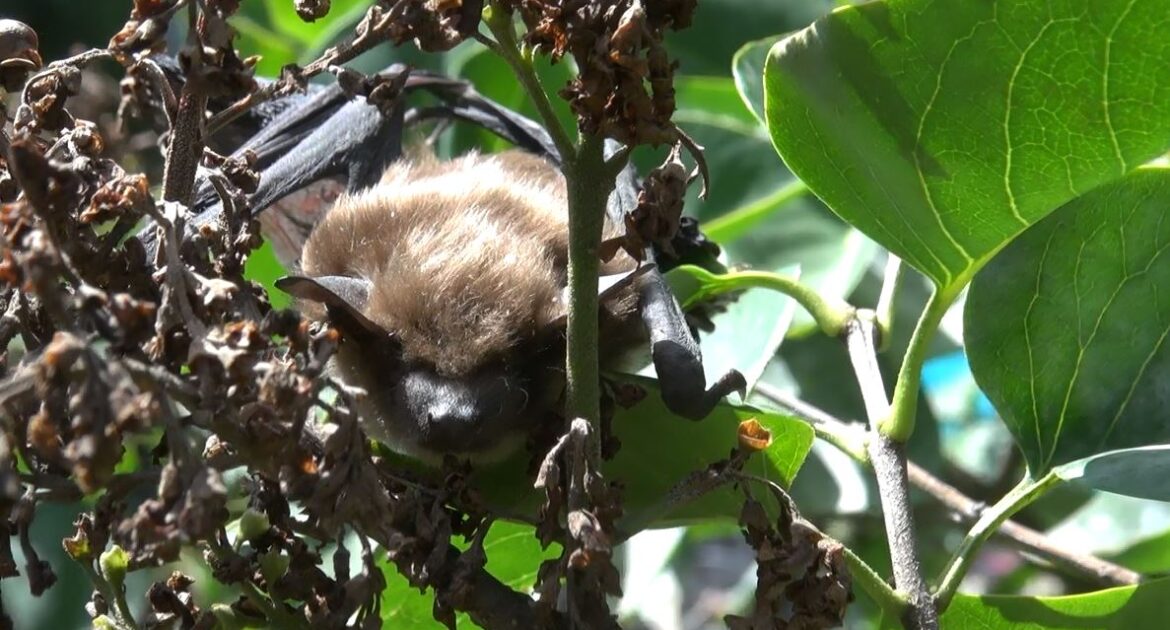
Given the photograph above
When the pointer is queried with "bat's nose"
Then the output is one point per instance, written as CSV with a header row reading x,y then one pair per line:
x,y
447,412
451,429
461,415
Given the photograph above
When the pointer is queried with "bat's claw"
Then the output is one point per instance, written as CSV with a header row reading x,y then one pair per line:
x,y
733,381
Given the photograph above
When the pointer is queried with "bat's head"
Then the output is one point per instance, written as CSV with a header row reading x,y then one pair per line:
x,y
414,406
447,281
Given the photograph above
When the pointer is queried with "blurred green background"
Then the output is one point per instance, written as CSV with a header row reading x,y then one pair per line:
x,y
688,578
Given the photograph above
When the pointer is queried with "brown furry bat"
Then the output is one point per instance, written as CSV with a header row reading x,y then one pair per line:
x,y
447,280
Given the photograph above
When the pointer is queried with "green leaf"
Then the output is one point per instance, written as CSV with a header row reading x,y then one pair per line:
x,y
1128,607
403,606
263,267
944,129
1149,556
747,66
274,31
1137,472
514,554
1065,329
679,447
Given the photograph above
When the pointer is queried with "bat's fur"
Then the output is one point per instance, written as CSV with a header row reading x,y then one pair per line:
x,y
467,265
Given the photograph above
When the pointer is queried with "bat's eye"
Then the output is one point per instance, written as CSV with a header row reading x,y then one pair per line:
x,y
460,415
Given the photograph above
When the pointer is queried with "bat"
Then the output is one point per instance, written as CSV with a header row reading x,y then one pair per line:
x,y
447,278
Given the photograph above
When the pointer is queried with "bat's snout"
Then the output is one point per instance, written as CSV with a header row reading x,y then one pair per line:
x,y
460,415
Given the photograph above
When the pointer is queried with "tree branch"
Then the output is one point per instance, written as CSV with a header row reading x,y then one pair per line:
x,y
889,464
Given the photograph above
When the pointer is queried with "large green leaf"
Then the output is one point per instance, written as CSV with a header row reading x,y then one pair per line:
x,y
1150,556
1065,329
756,211
1123,608
942,129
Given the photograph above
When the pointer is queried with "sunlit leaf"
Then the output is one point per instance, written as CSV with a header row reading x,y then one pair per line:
x,y
1066,328
944,129
513,556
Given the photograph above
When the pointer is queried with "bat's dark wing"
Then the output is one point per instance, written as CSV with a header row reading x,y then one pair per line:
x,y
326,135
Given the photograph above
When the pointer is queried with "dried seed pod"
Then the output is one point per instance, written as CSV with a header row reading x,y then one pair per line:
x,y
312,10
18,53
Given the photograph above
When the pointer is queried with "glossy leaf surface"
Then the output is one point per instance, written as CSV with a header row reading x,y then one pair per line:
x,y
1066,328
944,129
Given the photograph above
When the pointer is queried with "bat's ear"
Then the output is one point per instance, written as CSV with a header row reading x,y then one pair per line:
x,y
343,297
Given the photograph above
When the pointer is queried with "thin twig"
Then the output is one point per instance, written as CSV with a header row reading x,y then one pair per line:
x,y
849,437
186,145
889,465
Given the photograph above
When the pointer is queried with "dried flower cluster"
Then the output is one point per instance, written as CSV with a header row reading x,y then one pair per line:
x,y
625,84
803,581
124,335
157,334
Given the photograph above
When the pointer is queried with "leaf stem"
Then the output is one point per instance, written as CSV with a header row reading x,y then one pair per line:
x,y
1020,497
891,281
499,22
736,223
898,424
890,600
830,314
115,595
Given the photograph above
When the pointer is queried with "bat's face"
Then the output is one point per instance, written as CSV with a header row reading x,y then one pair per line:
x,y
446,281
420,412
